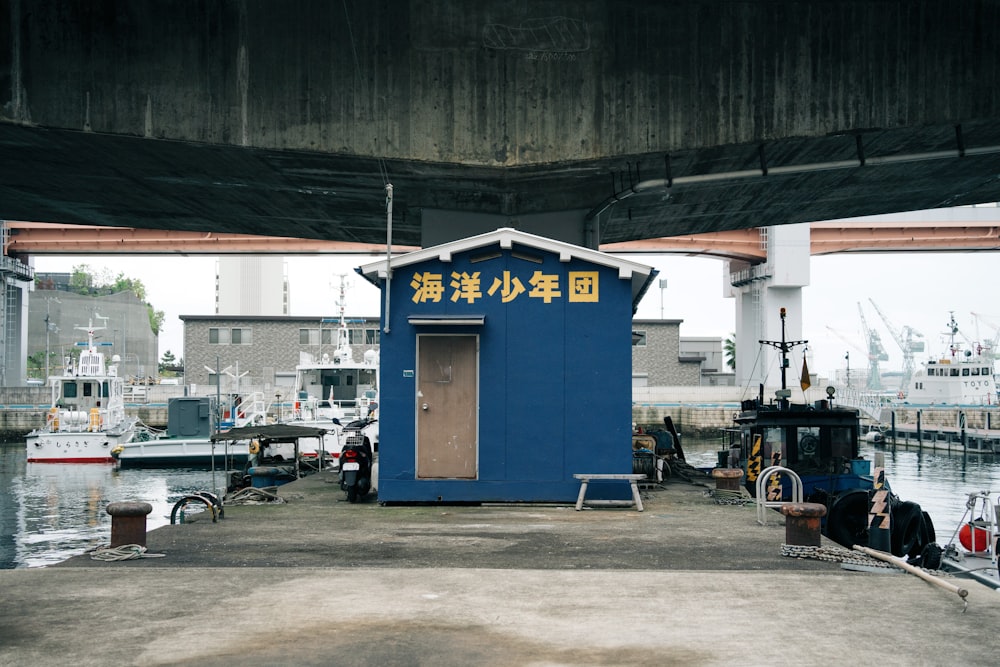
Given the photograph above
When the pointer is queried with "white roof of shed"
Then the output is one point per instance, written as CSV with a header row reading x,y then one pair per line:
x,y
506,237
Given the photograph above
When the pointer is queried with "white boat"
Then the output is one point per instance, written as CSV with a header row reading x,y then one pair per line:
x,y
965,376
334,392
87,419
192,421
875,433
972,550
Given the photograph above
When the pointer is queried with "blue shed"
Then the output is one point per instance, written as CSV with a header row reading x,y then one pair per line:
x,y
505,368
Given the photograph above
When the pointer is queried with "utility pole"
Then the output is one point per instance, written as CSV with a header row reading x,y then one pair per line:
x,y
48,329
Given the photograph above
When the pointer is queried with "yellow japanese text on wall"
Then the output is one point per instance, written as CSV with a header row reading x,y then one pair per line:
x,y
430,287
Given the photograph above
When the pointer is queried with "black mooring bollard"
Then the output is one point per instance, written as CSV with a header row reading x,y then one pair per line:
x,y
803,523
128,523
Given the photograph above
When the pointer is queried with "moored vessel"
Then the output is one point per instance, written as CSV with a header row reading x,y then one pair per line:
x,y
86,419
797,452
963,376
187,442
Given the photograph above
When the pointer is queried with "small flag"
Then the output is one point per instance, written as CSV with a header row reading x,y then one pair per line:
x,y
804,380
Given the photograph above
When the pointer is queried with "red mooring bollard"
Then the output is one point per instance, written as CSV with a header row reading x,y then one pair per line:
x,y
128,523
802,523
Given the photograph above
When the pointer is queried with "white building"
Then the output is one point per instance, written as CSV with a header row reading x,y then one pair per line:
x,y
251,285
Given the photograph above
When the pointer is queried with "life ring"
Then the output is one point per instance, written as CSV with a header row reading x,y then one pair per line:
x,y
254,447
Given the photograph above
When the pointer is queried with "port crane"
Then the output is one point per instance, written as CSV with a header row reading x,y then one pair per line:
x,y
905,340
876,352
868,356
990,346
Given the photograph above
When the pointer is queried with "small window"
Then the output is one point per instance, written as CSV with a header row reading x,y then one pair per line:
x,y
218,336
371,336
241,336
639,336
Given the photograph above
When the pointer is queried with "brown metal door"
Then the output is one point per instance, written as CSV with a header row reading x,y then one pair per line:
x,y
447,407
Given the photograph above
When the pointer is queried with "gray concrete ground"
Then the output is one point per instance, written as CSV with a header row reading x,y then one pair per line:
x,y
319,581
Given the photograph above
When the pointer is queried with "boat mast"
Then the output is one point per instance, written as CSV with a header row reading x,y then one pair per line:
x,y
784,347
343,352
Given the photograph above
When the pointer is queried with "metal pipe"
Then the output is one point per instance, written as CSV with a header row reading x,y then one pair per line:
x,y
767,171
388,252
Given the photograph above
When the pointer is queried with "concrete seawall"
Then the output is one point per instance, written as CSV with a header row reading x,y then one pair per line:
x,y
698,420
708,420
17,421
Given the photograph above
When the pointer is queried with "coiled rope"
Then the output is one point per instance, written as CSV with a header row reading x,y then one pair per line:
x,y
253,496
122,552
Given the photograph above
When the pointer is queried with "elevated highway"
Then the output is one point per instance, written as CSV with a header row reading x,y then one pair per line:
x,y
594,121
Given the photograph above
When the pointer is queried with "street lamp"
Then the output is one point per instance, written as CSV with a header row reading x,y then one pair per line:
x,y
663,288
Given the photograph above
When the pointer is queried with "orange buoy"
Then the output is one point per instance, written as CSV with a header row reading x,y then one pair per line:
x,y
967,535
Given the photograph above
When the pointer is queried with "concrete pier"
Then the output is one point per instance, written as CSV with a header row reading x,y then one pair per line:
x,y
319,581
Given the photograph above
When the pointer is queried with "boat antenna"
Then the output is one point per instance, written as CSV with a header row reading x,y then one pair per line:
x,y
783,346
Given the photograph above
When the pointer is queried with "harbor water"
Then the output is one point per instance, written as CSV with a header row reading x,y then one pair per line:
x,y
50,512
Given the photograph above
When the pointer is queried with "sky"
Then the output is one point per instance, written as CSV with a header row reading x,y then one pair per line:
x,y
919,290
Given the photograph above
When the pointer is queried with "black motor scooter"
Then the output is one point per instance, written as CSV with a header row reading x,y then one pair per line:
x,y
356,469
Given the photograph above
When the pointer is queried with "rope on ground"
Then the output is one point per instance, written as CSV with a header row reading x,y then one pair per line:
x,y
122,552
686,471
253,496
726,497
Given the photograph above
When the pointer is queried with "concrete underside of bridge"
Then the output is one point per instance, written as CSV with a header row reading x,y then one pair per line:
x,y
608,121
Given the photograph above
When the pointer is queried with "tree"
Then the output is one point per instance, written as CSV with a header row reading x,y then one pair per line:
x,y
84,281
123,284
36,364
729,347
155,318
170,366
81,280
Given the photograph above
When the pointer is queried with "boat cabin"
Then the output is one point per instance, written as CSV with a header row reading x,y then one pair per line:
x,y
818,442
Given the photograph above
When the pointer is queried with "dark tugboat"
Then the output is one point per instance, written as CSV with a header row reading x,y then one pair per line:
x,y
819,445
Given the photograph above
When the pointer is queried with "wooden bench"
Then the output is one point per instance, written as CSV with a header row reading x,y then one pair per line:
x,y
632,479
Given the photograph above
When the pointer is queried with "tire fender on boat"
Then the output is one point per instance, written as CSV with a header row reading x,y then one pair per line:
x,y
847,518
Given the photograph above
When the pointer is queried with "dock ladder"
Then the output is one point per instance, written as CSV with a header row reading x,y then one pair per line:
x,y
762,480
